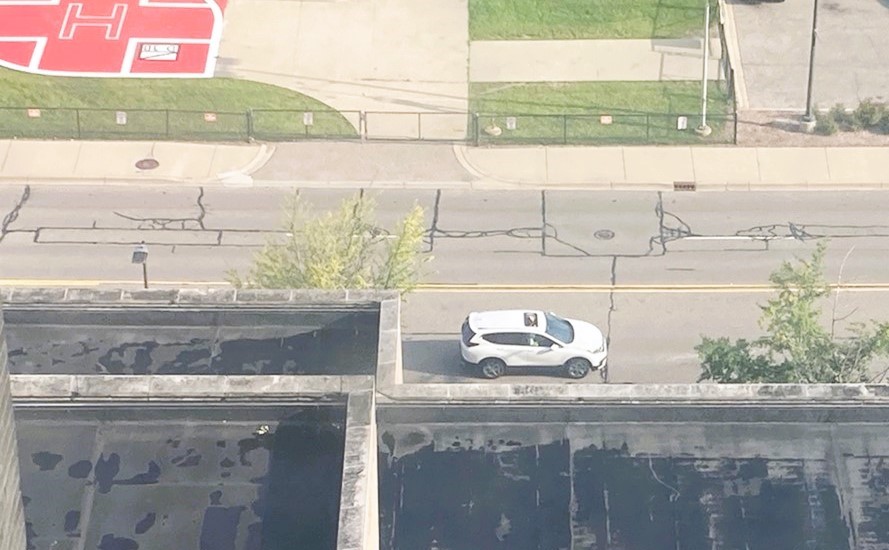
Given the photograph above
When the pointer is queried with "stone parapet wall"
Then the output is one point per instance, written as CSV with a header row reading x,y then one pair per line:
x,y
12,521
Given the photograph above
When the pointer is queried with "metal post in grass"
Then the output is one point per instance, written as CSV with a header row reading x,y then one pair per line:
x,y
703,129
565,129
77,121
809,117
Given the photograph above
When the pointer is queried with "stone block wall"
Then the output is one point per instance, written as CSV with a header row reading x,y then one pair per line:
x,y
12,521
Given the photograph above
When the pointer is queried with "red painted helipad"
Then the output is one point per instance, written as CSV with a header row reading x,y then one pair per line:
x,y
111,38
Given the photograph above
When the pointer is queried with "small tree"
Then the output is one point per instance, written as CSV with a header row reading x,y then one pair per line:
x,y
797,348
339,249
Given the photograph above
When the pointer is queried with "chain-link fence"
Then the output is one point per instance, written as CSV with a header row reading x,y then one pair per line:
x,y
169,124
602,129
293,125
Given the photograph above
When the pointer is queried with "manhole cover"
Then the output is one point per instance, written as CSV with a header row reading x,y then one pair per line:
x,y
604,234
147,164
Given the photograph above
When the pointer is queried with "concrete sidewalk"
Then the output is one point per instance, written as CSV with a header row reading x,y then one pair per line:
x,y
411,165
590,60
109,161
709,168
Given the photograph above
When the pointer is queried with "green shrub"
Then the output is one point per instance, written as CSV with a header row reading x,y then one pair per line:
x,y
870,113
825,123
844,119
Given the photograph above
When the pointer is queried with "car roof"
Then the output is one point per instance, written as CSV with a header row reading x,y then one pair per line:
x,y
508,319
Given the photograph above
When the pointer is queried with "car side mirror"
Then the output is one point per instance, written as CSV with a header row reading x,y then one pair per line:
x,y
555,346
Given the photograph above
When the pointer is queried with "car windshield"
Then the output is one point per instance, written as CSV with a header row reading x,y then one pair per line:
x,y
559,328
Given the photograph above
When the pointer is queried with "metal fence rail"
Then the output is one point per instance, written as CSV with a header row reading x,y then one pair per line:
x,y
294,125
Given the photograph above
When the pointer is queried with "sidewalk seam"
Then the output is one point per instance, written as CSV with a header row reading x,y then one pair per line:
x,y
6,156
77,157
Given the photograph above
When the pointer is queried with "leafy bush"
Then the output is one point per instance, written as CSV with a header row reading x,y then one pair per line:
x,y
870,113
825,124
844,119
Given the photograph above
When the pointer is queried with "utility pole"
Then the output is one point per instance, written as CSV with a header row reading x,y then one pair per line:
x,y
809,117
703,129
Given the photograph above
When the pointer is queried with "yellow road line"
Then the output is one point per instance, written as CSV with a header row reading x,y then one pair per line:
x,y
433,288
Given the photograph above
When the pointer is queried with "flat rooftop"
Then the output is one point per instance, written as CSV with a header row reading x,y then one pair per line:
x,y
234,341
127,462
128,477
634,486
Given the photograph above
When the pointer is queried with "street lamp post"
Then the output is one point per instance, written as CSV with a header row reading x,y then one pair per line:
x,y
809,117
140,256
703,129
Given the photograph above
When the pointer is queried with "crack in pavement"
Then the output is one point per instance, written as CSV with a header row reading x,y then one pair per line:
x,y
803,232
13,214
158,223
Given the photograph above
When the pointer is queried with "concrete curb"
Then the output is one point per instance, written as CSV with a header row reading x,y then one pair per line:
x,y
243,175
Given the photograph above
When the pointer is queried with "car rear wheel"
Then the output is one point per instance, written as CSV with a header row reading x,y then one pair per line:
x,y
577,367
492,368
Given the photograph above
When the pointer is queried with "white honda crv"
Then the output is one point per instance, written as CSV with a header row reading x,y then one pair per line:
x,y
495,340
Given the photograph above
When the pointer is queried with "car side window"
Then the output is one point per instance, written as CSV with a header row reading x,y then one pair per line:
x,y
507,338
537,340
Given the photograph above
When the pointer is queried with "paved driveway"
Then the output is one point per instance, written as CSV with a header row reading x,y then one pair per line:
x,y
851,61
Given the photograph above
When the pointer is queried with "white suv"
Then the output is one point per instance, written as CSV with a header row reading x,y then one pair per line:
x,y
494,340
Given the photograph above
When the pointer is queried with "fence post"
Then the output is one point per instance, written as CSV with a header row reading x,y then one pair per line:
x,y
648,128
475,129
167,123
77,118
735,137
362,125
249,119
565,129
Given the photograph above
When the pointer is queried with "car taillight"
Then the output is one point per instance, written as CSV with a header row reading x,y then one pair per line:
x,y
467,335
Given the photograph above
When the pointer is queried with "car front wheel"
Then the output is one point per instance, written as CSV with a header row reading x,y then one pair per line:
x,y
492,368
577,367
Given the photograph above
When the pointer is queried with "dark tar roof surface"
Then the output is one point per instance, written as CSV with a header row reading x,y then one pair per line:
x,y
124,341
634,486
129,478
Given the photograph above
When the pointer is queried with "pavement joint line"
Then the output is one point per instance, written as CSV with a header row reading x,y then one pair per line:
x,y
432,288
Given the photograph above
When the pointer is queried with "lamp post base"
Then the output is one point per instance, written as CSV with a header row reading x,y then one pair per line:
x,y
807,123
703,130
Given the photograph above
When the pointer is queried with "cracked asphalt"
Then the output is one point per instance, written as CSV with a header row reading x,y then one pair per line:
x,y
651,251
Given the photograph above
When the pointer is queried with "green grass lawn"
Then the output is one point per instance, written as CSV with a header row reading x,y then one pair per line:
x,y
590,19
278,112
642,112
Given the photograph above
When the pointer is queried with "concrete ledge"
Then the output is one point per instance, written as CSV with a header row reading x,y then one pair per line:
x,y
810,394
16,296
359,516
389,365
195,387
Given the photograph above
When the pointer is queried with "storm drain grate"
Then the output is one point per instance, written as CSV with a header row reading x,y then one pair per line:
x,y
684,186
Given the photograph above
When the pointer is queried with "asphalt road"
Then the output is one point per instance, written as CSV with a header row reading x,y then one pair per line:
x,y
654,270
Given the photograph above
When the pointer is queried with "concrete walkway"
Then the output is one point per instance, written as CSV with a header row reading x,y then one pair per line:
x,y
115,161
589,60
385,165
354,55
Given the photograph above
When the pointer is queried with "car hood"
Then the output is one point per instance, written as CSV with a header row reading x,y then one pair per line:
x,y
586,335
